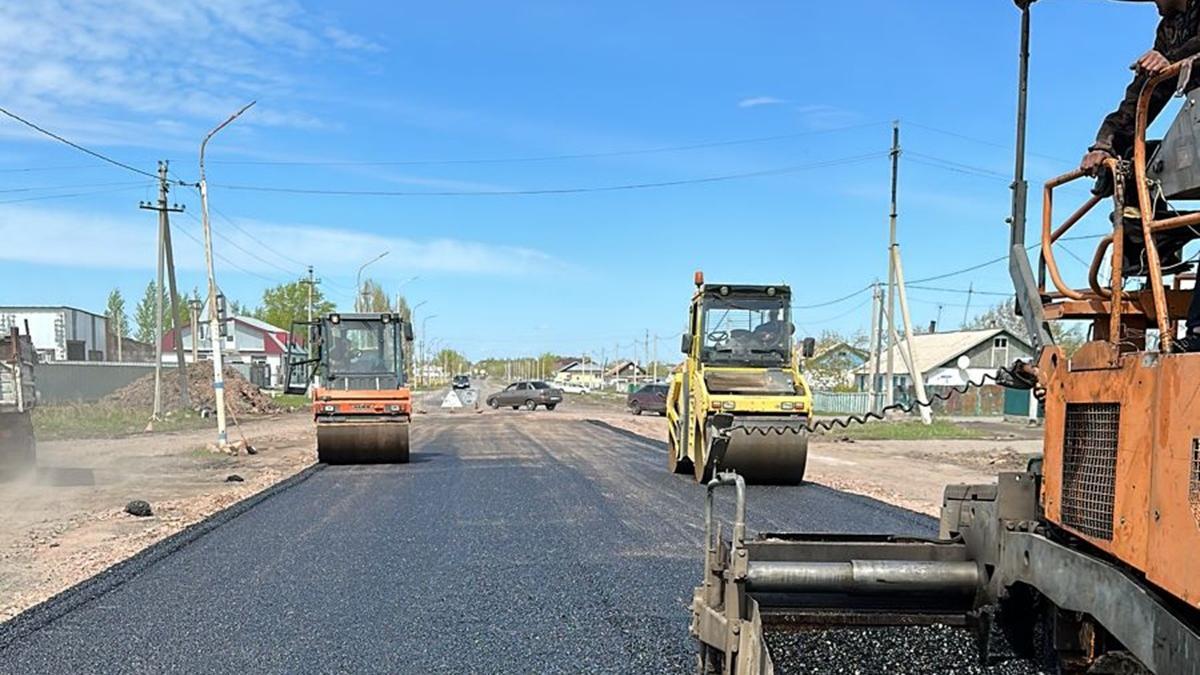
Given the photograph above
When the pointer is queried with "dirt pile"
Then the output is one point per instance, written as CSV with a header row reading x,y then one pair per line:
x,y
241,396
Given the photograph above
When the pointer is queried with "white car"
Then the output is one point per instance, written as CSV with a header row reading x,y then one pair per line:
x,y
571,388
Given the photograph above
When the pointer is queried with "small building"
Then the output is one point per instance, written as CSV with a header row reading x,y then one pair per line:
x,y
952,359
255,347
60,333
834,366
581,373
624,373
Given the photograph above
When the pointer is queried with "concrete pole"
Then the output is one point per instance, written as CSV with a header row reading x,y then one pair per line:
x,y
873,347
158,322
889,387
214,319
194,305
185,398
918,378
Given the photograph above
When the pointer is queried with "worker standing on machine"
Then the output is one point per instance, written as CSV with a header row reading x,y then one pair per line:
x,y
1177,38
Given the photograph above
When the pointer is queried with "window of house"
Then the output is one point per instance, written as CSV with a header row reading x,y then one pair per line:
x,y
999,352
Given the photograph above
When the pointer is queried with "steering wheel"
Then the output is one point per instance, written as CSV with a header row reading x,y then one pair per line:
x,y
718,336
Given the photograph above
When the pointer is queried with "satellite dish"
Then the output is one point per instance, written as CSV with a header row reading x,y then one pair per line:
x,y
963,362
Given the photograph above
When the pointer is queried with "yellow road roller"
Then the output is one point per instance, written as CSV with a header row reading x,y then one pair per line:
x,y
738,402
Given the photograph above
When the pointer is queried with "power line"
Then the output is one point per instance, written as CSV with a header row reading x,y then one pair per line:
x,y
196,239
555,191
77,146
70,195
836,300
549,158
70,187
958,290
973,139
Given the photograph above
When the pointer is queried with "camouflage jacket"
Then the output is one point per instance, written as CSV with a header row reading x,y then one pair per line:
x,y
1177,38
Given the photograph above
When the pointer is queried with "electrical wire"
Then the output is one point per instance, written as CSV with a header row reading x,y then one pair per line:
x,y
72,194
77,146
957,290
835,301
965,137
550,158
70,187
222,258
556,191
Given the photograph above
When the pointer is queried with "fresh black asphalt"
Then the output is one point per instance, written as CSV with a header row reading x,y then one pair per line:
x,y
513,543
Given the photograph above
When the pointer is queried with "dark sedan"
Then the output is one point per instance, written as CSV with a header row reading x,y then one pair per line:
x,y
527,395
650,398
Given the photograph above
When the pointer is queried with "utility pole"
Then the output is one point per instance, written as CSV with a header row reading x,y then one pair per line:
x,y
166,256
310,281
214,319
874,344
120,339
889,389
967,309
646,349
654,359
195,306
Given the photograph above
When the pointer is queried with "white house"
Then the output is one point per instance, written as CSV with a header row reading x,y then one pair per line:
x,y
252,345
937,357
60,333
584,374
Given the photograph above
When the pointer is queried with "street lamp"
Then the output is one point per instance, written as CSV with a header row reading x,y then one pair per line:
x,y
423,364
360,305
214,322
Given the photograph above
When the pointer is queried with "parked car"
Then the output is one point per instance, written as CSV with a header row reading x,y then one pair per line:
x,y
572,388
462,382
650,398
528,395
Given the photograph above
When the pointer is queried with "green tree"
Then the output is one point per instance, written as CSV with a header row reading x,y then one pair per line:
x,y
1004,315
372,297
118,320
143,314
830,367
285,303
451,362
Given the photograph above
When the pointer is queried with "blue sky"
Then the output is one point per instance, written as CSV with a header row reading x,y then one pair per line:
x,y
507,275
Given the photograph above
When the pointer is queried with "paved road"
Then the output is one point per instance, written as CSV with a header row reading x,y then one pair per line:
x,y
514,542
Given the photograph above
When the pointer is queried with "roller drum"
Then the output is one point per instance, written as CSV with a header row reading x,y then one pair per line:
x,y
765,451
384,442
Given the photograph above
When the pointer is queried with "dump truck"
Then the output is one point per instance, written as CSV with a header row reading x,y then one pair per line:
x,y
354,367
18,396
1085,561
739,401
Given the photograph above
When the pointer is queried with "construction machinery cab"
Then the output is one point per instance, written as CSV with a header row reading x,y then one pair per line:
x,y
349,351
739,402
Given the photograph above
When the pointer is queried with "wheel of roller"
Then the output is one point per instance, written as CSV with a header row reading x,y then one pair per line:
x,y
768,458
365,443
703,471
674,463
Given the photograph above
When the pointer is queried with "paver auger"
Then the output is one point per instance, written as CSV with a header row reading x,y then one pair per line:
x,y
739,401
361,401
1088,559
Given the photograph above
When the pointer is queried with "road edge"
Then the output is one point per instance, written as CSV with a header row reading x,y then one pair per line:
x,y
57,606
866,500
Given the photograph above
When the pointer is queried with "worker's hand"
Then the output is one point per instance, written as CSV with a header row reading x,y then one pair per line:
x,y
1093,162
1151,63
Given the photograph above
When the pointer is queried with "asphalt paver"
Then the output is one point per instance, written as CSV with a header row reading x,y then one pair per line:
x,y
512,542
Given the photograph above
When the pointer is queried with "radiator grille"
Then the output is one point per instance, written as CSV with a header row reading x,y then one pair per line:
x,y
1090,467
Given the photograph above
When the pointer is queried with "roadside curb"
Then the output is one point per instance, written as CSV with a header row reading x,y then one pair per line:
x,y
47,612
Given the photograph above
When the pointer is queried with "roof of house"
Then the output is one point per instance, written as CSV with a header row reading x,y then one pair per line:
x,y
840,346
619,366
259,324
47,308
932,350
577,367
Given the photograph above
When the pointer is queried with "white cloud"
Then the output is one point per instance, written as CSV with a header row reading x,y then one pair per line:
x,y
120,65
755,101
84,240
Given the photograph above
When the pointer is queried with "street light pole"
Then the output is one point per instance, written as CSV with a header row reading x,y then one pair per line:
x,y
422,350
214,323
360,303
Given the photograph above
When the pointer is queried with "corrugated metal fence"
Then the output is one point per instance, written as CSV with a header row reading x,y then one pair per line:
x,y
86,381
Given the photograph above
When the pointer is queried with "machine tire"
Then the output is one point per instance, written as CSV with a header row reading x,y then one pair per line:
x,y
635,408
494,404
703,472
530,405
